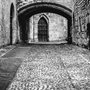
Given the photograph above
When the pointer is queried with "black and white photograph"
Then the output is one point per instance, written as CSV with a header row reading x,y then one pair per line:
x,y
44,44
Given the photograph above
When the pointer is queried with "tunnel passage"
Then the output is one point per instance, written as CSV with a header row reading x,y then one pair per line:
x,y
27,11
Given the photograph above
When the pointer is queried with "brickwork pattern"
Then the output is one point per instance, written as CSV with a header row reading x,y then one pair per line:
x,y
67,3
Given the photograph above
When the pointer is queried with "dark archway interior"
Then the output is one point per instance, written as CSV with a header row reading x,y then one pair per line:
x,y
27,13
11,23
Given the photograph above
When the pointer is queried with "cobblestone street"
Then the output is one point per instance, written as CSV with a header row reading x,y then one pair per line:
x,y
49,67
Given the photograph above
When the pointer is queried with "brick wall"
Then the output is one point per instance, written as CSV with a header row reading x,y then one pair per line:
x,y
57,27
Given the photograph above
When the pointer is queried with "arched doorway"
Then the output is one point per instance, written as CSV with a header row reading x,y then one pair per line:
x,y
11,22
42,30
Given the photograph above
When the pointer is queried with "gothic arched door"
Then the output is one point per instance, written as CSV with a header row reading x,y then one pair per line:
x,y
42,30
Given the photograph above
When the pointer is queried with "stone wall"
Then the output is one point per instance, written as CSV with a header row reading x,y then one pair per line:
x,y
80,20
67,3
57,27
5,22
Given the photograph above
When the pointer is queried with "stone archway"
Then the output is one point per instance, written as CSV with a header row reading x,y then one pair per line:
x,y
27,11
11,22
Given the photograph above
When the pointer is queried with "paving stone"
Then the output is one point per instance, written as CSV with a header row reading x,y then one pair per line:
x,y
8,69
51,67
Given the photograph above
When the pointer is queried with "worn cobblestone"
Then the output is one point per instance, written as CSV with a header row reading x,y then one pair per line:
x,y
53,67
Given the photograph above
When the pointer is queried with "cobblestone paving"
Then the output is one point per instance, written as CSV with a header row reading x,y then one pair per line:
x,y
53,67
